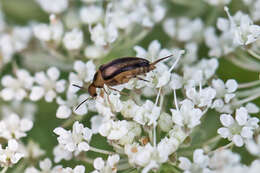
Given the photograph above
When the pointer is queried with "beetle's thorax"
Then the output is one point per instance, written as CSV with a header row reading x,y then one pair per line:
x,y
98,80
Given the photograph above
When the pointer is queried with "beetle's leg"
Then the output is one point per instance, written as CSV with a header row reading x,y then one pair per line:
x,y
142,79
107,96
121,92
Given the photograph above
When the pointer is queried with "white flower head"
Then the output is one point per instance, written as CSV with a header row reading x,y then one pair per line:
x,y
10,155
225,92
14,127
91,14
122,131
84,73
200,161
187,115
139,155
169,26
17,88
218,2
94,51
189,29
73,40
61,153
243,29
203,97
239,129
104,35
33,150
109,166
148,113
48,85
67,107
50,32
76,140
223,158
53,6
153,52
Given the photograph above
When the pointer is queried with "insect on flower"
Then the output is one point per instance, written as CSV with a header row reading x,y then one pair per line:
x,y
119,71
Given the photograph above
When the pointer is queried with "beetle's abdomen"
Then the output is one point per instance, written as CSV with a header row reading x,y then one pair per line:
x,y
132,65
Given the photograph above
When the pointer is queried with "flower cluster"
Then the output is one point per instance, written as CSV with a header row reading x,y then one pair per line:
x,y
184,101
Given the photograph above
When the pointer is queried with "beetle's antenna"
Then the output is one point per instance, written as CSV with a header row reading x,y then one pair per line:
x,y
80,87
153,63
82,103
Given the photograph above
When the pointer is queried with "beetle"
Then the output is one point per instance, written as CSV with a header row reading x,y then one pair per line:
x,y
119,71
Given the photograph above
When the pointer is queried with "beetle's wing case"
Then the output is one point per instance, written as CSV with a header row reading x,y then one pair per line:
x,y
120,65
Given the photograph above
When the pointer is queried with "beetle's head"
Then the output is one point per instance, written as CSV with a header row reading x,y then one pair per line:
x,y
92,90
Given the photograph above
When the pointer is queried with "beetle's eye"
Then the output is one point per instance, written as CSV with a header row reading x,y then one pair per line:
x,y
95,95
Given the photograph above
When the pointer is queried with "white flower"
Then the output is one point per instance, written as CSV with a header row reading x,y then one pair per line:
x,y
224,93
45,165
103,35
84,73
148,113
187,115
189,29
91,14
10,155
61,153
27,109
33,150
201,98
153,52
224,158
94,52
253,145
96,122
67,107
123,131
239,129
42,32
165,122
53,6
169,26
14,127
14,41
219,45
129,109
73,40
217,2
50,32
48,85
166,147
110,166
16,88
200,161
139,155
243,29
60,169
76,140
252,108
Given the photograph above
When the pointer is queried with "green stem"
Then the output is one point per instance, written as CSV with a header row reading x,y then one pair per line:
x,y
251,52
212,140
4,169
124,166
71,120
101,151
248,92
249,84
248,99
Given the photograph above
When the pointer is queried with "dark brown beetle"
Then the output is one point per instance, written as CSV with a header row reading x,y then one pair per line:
x,y
119,71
